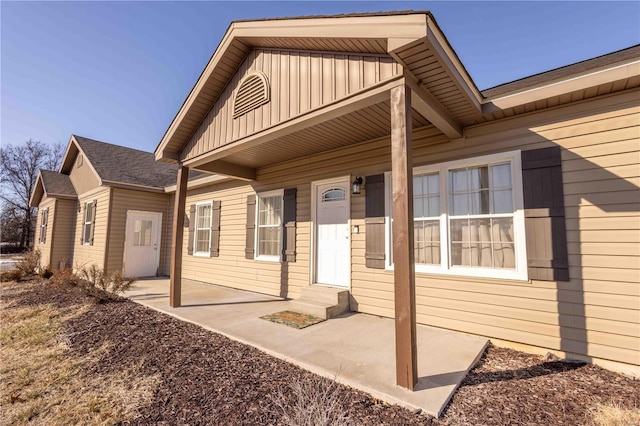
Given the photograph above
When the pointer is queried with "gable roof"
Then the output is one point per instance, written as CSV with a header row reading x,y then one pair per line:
x,y
411,38
52,184
115,164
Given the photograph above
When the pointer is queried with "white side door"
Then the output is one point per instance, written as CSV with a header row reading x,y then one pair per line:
x,y
142,244
333,248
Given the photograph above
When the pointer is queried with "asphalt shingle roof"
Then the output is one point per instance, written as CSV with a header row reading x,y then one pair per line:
x,y
57,183
120,164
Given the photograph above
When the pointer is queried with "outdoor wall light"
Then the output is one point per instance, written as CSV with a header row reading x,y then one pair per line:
x,y
355,185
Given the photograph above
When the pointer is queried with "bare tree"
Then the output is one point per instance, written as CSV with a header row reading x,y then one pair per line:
x,y
19,166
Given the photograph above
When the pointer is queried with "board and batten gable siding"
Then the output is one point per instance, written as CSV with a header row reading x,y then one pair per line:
x,y
63,225
85,255
595,315
82,176
45,248
298,82
123,200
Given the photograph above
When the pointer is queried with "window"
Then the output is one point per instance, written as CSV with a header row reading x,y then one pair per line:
x,y
89,221
333,194
468,218
203,229
44,218
269,226
142,232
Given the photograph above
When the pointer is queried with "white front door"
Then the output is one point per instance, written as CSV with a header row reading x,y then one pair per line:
x,y
333,248
142,244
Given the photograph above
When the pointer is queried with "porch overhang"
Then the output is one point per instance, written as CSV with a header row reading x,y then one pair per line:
x,y
442,90
363,117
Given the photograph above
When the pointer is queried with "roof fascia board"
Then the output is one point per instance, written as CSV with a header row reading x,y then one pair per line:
x,y
453,66
375,27
567,85
356,101
69,197
227,39
39,183
66,158
134,186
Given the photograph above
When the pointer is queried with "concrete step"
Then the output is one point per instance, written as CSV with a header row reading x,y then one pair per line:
x,y
325,294
322,302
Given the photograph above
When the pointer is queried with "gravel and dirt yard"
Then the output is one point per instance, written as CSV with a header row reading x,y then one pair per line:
x,y
66,359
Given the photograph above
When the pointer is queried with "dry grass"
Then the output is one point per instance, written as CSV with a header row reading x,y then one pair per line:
x,y
44,384
316,402
614,415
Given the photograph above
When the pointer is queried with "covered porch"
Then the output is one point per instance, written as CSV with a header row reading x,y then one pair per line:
x,y
356,349
284,91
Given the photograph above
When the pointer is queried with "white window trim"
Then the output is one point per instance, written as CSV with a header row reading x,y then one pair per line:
x,y
520,272
195,231
258,256
86,222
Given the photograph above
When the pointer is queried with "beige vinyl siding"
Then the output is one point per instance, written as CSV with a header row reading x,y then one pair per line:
x,y
85,255
82,175
231,268
63,230
596,315
299,82
123,200
46,248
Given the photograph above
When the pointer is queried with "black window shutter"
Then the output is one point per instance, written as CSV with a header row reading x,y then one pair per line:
x,y
289,225
545,227
249,250
215,229
93,220
374,222
192,228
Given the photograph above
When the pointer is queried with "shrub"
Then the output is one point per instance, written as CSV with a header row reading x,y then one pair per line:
x,y
30,262
97,285
12,275
64,277
95,276
120,284
46,272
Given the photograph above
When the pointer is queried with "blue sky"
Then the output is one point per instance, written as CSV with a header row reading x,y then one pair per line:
x,y
119,71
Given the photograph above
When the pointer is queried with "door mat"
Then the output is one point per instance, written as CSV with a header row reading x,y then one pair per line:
x,y
293,319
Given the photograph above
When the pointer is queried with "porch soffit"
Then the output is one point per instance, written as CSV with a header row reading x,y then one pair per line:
x,y
412,39
371,122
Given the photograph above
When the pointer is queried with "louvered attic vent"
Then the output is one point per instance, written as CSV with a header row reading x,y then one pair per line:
x,y
253,92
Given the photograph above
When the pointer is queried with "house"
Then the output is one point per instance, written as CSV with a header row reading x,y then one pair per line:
x,y
360,155
106,206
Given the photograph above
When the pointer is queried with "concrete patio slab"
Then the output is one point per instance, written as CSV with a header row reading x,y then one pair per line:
x,y
357,349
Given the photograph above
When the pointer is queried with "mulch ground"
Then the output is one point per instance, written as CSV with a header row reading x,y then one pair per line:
x,y
207,378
